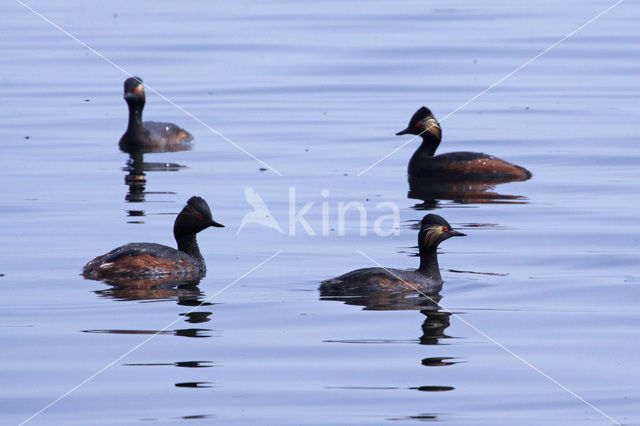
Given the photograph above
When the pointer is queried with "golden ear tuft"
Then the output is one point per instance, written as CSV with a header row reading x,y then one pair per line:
x,y
432,126
432,234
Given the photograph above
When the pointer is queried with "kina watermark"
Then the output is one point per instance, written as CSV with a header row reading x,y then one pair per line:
x,y
329,217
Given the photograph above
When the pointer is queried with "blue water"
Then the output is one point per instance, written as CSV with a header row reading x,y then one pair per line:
x,y
538,318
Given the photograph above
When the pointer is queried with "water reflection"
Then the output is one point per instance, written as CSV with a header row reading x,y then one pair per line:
x,y
433,388
184,332
187,364
440,361
136,178
472,192
420,417
196,317
198,385
434,324
376,299
433,327
184,293
197,417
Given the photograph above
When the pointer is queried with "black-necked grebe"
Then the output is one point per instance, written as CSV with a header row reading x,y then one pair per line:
x,y
453,166
155,260
150,135
433,230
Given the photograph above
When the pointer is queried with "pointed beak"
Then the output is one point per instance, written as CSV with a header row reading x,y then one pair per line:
x,y
216,224
403,132
458,234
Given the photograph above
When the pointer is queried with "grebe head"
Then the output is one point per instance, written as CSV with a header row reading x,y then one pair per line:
x,y
194,217
435,229
424,124
134,91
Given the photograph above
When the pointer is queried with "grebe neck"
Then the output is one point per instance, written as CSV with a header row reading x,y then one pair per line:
x,y
429,263
135,126
429,144
188,244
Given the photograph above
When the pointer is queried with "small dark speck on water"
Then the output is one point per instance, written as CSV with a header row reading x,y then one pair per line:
x,y
263,169
346,174
87,100
1,275
306,150
27,137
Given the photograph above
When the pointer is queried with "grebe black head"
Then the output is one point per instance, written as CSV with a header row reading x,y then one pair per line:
x,y
433,230
152,136
152,260
134,91
424,124
453,166
194,217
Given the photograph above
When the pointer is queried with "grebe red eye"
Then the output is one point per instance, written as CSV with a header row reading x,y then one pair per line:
x,y
417,124
200,216
445,228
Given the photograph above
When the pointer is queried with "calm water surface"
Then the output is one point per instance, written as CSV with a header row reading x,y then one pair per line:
x,y
546,283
